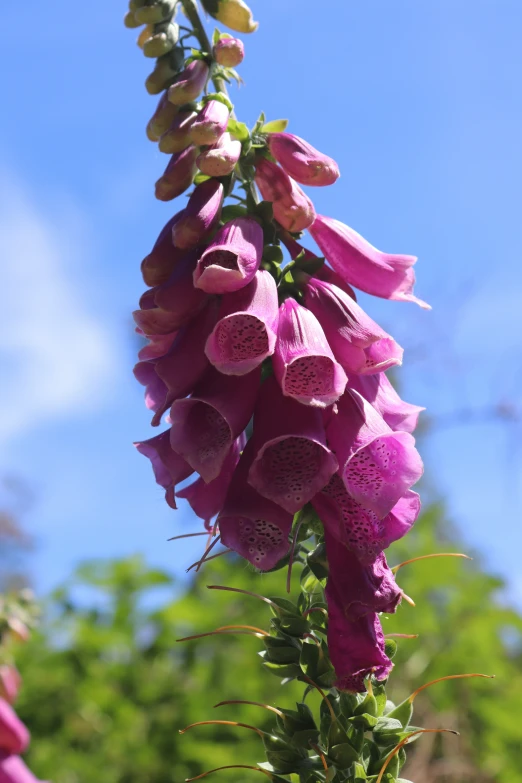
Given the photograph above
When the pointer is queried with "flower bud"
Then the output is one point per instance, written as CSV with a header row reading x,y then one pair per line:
x,y
302,161
178,175
162,119
292,207
231,261
234,13
129,20
162,39
200,215
220,160
165,71
158,266
177,137
228,52
190,83
152,13
211,123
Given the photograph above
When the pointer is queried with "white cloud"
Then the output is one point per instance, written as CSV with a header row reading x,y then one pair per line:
x,y
56,357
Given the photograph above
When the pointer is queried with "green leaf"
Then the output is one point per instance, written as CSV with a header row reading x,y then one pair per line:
x,y
274,126
232,211
222,98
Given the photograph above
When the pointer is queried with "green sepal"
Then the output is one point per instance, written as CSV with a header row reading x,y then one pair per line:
x,y
343,755
294,626
273,254
284,607
367,706
390,648
310,265
314,660
387,731
379,691
163,39
218,96
200,177
310,584
348,702
232,211
280,650
403,712
358,772
283,756
365,720
274,126
238,129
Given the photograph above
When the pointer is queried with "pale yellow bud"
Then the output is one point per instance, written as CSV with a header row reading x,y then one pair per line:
x,y
236,15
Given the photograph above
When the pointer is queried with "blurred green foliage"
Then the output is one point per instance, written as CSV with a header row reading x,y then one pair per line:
x,y
107,686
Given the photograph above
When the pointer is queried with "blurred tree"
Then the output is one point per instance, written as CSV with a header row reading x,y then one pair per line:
x,y
106,686
15,543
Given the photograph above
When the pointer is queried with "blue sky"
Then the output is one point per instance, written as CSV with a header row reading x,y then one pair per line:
x,y
419,102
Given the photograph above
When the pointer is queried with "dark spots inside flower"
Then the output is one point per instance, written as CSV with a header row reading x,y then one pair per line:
x,y
209,431
292,471
309,376
363,530
226,259
260,537
242,337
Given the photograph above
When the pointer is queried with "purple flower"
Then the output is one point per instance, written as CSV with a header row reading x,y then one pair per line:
x,y
228,52
162,119
13,770
151,319
200,215
246,331
377,465
169,468
220,159
205,425
175,374
378,390
178,175
324,273
293,210
302,161
157,267
356,647
358,343
14,736
206,500
362,588
232,258
251,525
10,682
177,296
362,265
176,137
158,345
190,83
292,461
210,124
303,361
358,527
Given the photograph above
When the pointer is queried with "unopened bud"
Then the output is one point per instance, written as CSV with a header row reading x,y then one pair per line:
x,y
302,161
228,51
155,12
190,83
177,137
18,630
145,34
178,175
167,67
200,215
234,13
211,123
162,39
220,160
292,208
129,20
162,119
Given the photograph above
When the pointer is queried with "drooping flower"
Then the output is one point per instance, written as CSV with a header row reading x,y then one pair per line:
x,y
378,390
176,137
377,465
358,527
228,51
232,258
361,588
10,682
251,525
292,460
206,500
14,736
292,207
189,83
362,265
178,175
301,161
157,267
200,216
220,159
303,362
14,770
175,374
246,331
158,345
324,273
162,118
205,425
356,647
169,468
177,296
358,343
210,124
